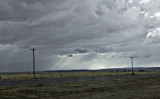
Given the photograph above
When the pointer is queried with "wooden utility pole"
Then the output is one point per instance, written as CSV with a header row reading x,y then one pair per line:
x,y
33,49
132,65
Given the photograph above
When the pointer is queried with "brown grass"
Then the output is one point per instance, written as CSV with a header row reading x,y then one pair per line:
x,y
20,76
137,88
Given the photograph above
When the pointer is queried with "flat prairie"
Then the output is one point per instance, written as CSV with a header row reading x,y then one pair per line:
x,y
132,88
44,75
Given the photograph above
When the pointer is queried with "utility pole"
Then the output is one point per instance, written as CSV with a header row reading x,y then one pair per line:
x,y
132,64
33,49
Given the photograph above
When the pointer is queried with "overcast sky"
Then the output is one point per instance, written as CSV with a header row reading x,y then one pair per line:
x,y
79,34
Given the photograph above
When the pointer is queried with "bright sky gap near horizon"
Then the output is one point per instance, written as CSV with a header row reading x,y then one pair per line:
x,y
79,34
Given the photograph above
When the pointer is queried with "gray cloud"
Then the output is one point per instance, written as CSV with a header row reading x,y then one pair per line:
x,y
81,50
102,30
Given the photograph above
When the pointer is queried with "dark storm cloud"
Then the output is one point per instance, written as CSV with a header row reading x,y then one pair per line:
x,y
99,29
81,50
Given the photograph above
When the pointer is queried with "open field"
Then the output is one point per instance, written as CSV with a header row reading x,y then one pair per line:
x,y
135,88
22,76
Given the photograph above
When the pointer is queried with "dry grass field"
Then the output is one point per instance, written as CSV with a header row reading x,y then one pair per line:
x,y
136,88
21,76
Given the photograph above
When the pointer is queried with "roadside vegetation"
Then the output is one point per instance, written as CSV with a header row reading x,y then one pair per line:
x,y
135,88
22,76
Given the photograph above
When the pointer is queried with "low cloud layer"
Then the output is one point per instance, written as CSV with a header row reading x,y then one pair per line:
x,y
71,34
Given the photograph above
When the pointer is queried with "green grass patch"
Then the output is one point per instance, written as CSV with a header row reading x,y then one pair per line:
x,y
137,88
